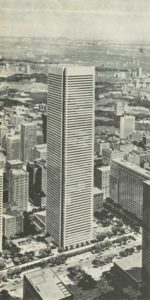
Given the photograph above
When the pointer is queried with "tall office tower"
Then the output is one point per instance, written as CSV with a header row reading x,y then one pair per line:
x,y
1,207
102,180
127,126
28,140
126,185
13,147
44,118
70,154
19,188
146,242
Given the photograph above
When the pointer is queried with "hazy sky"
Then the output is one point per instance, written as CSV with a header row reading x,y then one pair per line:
x,y
121,20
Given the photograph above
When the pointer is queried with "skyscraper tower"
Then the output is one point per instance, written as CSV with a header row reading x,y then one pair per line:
x,y
28,140
70,151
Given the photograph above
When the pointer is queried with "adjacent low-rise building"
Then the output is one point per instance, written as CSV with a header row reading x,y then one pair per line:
x,y
126,185
129,270
44,284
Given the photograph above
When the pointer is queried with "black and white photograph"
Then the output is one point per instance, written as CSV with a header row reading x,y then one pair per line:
x,y
74,150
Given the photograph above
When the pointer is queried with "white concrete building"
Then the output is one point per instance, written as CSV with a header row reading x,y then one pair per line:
x,y
70,154
19,188
127,126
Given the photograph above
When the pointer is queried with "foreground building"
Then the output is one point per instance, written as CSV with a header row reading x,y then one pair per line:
x,y
1,207
129,271
146,241
44,284
70,151
126,185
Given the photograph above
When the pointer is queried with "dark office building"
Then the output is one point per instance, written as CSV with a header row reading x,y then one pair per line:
x,y
44,118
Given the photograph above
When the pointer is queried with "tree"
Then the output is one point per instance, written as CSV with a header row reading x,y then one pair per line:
x,y
16,261
2,263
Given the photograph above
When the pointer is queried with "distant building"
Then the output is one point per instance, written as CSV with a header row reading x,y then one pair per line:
x,y
127,147
118,108
28,140
139,72
19,188
108,155
1,207
37,181
12,224
97,199
3,132
44,284
13,147
146,241
146,140
99,146
39,135
39,220
10,165
102,180
126,185
136,136
44,118
134,158
39,152
127,126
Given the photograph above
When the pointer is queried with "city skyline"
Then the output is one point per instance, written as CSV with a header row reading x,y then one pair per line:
x,y
97,19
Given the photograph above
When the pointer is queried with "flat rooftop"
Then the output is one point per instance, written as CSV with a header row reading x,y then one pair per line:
x,y
71,69
19,172
40,146
132,265
104,168
47,284
14,137
132,167
14,162
11,215
97,191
